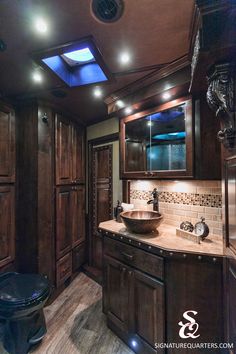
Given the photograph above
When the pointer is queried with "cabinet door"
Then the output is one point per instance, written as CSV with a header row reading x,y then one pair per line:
x,y
147,323
63,151
77,215
77,155
7,145
7,225
63,221
116,293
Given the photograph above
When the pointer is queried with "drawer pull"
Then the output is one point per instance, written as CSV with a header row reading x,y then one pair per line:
x,y
127,256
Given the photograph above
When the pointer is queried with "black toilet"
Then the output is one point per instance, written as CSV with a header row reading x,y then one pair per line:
x,y
22,297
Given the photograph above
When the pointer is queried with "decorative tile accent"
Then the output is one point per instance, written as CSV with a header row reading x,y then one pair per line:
x,y
209,200
182,200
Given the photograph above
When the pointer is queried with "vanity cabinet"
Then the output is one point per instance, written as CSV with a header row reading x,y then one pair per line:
x,y
133,299
174,140
147,291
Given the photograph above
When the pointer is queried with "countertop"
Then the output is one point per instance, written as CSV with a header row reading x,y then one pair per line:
x,y
166,239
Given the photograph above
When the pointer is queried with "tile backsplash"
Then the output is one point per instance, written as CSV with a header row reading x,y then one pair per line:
x,y
182,200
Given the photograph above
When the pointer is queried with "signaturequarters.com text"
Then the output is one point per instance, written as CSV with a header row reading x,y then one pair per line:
x,y
194,345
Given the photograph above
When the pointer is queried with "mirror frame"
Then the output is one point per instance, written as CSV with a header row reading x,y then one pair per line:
x,y
166,174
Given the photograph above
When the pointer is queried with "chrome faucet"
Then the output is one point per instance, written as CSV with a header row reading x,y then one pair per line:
x,y
154,201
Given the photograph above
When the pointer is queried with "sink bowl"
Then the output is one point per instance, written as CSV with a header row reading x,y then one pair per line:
x,y
141,221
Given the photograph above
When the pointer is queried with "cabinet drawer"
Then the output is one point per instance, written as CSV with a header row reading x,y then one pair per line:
x,y
78,256
64,268
140,259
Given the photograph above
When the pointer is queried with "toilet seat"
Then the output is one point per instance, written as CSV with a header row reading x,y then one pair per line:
x,y
21,291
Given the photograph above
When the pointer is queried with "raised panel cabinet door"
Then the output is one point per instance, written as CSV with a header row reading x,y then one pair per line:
x,y
78,214
7,145
116,292
63,221
148,311
63,141
7,225
78,172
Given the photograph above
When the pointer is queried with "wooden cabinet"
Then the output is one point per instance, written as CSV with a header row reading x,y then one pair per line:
x,y
174,140
145,296
69,152
7,185
78,215
133,300
148,309
7,144
63,151
118,301
7,224
63,221
70,224
51,203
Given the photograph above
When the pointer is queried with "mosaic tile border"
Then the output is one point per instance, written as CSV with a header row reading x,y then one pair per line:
x,y
209,200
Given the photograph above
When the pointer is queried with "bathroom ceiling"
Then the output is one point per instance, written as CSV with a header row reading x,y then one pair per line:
x,y
152,32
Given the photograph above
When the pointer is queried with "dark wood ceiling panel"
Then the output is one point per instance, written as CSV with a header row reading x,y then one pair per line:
x,y
153,31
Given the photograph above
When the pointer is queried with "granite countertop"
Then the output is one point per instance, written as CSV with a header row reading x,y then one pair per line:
x,y
166,239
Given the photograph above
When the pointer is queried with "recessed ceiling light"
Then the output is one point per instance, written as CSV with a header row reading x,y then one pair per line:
x,y
125,58
128,110
166,95
120,104
41,25
37,77
97,92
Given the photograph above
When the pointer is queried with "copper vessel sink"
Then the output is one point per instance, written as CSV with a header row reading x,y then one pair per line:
x,y
141,221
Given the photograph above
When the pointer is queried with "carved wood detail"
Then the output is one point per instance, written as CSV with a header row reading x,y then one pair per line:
x,y
221,99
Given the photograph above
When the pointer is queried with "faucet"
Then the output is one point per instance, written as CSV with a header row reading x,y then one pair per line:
x,y
154,201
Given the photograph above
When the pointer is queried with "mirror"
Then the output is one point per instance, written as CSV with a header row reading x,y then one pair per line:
x,y
158,141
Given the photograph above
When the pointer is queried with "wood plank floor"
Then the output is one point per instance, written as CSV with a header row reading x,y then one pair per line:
x,y
76,324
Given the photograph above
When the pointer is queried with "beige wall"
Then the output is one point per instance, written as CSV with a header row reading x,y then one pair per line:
x,y
107,127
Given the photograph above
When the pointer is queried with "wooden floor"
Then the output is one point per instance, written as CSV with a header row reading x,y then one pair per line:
x,y
76,324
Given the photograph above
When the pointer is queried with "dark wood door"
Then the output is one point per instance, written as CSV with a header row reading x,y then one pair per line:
x,y
7,144
77,215
148,310
7,225
63,140
117,291
101,198
78,173
63,220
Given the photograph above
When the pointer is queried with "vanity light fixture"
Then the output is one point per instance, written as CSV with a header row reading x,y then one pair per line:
x,y
97,92
41,25
128,110
166,96
124,58
37,77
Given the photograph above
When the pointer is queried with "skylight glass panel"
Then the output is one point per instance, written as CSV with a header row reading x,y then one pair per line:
x,y
76,57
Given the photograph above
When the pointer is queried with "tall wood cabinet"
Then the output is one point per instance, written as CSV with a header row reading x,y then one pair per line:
x,y
51,197
7,185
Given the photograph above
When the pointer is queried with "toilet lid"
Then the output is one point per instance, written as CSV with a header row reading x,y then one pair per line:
x,y
18,289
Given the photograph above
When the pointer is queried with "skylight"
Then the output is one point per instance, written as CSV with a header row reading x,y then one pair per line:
x,y
77,63
77,57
